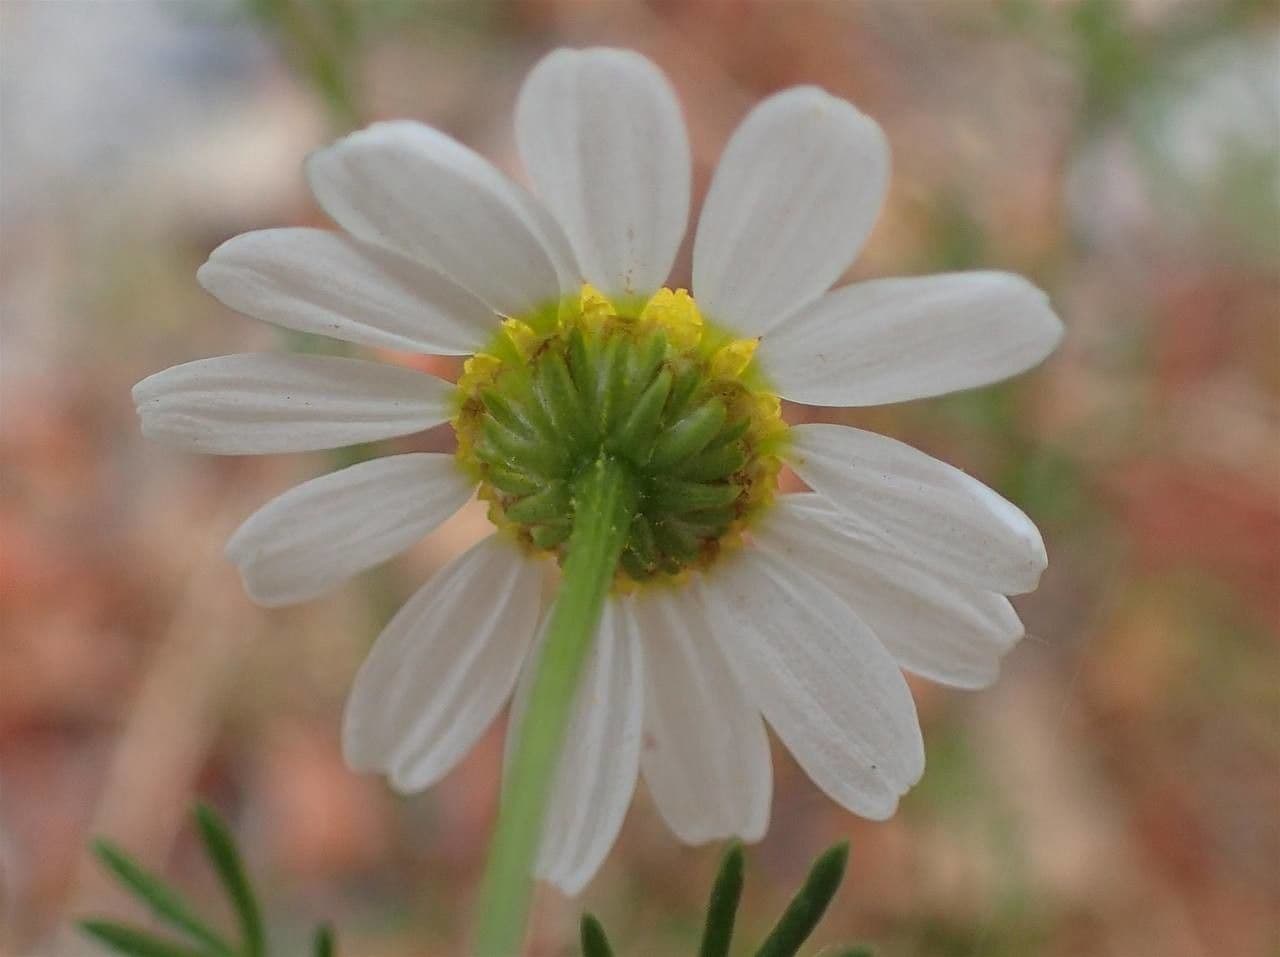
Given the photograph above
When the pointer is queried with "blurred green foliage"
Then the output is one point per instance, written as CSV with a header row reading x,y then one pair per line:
x,y
793,928
169,908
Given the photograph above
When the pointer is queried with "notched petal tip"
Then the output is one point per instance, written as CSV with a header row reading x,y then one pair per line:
x,y
978,681
911,769
379,133
755,831
355,753
1045,327
228,248
146,391
260,594
1037,556
403,783
823,104
570,883
363,757
750,832
1015,630
242,546
151,428
577,55
209,271
383,133
885,805
879,812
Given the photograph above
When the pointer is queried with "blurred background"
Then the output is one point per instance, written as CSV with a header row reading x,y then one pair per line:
x,y
1117,793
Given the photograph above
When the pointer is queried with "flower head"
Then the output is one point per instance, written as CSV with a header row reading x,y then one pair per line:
x,y
732,605
652,385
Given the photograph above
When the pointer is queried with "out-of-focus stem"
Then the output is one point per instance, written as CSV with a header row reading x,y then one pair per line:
x,y
321,41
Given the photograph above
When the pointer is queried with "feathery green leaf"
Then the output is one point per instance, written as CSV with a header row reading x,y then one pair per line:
x,y
226,860
324,945
807,907
163,901
722,909
594,941
124,939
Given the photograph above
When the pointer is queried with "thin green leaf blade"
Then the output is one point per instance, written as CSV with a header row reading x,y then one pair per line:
x,y
324,944
124,939
722,909
164,902
226,861
807,907
594,941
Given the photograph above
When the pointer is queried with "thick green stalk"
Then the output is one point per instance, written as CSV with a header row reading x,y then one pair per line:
x,y
604,503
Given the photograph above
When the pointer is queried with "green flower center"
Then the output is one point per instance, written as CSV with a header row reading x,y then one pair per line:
x,y
647,383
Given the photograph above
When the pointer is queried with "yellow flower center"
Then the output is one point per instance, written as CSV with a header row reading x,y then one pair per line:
x,y
649,383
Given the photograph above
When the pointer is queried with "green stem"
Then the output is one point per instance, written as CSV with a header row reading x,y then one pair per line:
x,y
604,506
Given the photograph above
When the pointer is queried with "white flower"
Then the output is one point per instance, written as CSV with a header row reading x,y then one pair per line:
x,y
894,561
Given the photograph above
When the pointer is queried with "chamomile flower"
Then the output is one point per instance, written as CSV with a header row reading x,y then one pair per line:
x,y
732,606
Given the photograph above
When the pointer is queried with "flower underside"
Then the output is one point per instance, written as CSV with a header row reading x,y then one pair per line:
x,y
649,384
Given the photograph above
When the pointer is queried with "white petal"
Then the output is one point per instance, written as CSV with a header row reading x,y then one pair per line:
x,y
798,189
324,531
950,633
706,755
597,774
442,669
601,134
412,189
901,501
280,402
313,280
830,690
556,243
895,339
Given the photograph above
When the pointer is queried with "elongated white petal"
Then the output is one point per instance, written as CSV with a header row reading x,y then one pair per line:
x,y
601,134
826,685
895,339
444,666
280,402
706,755
412,189
313,280
950,633
930,514
798,189
324,531
598,767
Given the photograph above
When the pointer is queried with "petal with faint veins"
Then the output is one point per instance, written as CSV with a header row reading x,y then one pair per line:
x,y
706,756
313,280
824,683
445,665
797,191
951,633
901,501
280,402
889,340
601,134
412,189
314,536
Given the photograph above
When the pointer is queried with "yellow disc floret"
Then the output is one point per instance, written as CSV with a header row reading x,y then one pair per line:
x,y
649,383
